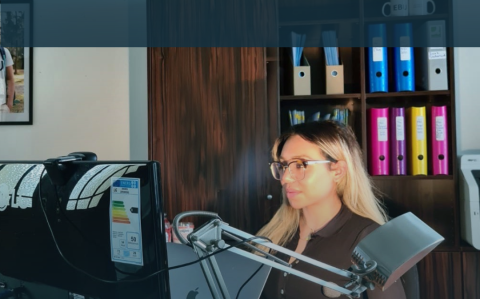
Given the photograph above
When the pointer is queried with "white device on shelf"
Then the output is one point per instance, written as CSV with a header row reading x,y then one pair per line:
x,y
470,199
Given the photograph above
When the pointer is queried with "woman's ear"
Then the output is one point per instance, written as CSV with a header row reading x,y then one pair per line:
x,y
339,169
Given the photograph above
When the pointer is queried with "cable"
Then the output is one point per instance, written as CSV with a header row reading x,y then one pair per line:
x,y
245,283
80,231
256,271
127,280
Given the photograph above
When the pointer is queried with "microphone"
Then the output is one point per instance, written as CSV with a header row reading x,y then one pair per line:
x,y
396,247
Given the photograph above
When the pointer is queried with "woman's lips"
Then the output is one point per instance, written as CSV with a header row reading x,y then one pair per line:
x,y
292,193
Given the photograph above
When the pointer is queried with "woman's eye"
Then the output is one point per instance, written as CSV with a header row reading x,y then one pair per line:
x,y
299,164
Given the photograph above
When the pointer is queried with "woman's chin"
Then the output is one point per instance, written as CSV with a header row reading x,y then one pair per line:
x,y
295,204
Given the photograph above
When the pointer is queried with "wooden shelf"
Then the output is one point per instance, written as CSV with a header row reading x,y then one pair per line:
x,y
321,97
317,22
468,249
463,247
408,94
406,18
410,177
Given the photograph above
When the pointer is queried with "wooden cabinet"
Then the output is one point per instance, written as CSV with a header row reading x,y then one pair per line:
x,y
441,276
471,274
451,271
432,198
212,125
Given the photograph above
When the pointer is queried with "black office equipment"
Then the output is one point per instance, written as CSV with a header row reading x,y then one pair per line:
x,y
82,213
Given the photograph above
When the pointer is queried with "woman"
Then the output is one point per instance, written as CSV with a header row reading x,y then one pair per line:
x,y
328,208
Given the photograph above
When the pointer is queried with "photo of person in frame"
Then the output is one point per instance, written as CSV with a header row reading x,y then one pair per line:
x,y
12,64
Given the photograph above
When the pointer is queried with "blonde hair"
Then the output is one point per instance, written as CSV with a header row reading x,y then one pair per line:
x,y
337,143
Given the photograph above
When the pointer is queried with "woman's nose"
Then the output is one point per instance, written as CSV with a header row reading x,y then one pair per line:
x,y
287,177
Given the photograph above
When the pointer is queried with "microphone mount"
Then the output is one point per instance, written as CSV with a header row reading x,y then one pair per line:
x,y
207,239
379,259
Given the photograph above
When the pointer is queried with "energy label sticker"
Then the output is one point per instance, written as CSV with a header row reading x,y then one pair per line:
x,y
125,224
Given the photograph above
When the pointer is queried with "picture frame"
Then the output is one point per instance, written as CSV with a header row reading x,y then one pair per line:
x,y
15,22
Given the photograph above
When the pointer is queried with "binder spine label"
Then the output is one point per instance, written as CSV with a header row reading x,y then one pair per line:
x,y
405,54
439,128
377,54
399,121
382,129
439,54
420,128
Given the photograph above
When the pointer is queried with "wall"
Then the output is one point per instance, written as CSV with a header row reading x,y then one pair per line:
x,y
80,103
467,64
138,103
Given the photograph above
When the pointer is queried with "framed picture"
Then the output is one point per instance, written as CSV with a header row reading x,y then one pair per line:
x,y
16,62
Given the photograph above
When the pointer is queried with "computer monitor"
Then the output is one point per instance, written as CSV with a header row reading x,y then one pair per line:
x,y
106,218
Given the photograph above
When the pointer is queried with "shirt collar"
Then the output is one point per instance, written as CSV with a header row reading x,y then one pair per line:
x,y
336,223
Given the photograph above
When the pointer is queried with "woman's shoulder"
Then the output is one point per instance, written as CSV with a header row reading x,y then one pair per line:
x,y
363,222
362,226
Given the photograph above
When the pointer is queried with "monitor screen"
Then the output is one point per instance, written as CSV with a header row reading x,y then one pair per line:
x,y
106,219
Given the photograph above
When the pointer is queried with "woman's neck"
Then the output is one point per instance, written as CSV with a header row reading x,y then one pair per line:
x,y
317,216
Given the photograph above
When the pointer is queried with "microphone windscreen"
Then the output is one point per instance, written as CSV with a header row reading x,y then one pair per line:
x,y
396,246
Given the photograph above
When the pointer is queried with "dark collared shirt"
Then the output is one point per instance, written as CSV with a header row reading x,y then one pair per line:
x,y
332,245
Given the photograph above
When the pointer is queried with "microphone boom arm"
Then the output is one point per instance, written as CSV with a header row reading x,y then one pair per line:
x,y
208,238
396,246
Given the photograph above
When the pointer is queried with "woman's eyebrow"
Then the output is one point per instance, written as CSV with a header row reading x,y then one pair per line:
x,y
302,157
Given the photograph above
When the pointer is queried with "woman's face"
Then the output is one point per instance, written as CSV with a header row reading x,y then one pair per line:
x,y
318,185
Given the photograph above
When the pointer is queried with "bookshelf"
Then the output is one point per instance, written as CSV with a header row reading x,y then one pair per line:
x,y
358,100
434,199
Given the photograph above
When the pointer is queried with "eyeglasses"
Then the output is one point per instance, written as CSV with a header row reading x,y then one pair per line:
x,y
296,168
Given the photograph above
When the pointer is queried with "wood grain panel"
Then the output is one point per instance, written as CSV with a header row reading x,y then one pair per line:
x,y
431,200
155,73
471,274
216,23
273,92
211,133
441,276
